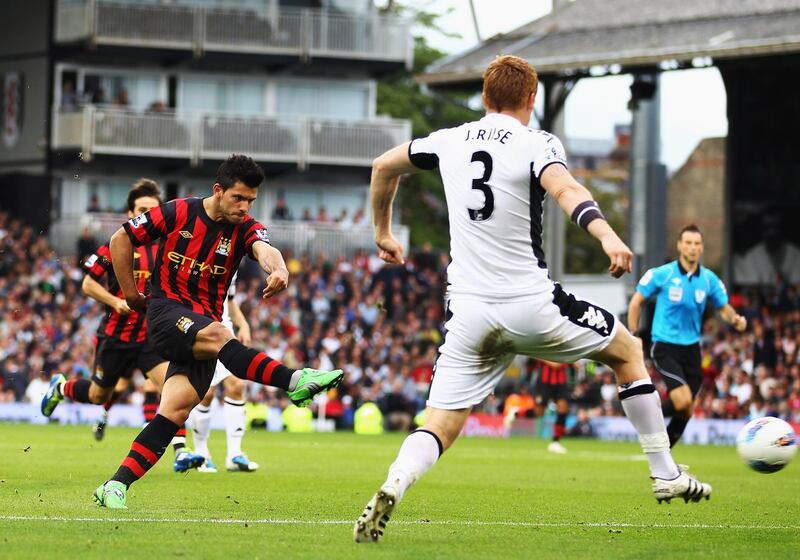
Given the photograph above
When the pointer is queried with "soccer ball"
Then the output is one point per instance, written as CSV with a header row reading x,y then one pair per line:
x,y
767,444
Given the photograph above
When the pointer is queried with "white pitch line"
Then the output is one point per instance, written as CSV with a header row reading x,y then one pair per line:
x,y
530,524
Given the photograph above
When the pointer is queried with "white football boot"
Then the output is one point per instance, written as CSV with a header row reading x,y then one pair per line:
x,y
683,486
370,526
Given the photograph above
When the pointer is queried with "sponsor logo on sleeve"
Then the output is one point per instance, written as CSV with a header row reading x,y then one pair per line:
x,y
90,262
648,276
262,235
138,221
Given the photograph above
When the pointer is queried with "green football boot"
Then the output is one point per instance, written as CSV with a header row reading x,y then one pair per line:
x,y
311,382
54,394
111,494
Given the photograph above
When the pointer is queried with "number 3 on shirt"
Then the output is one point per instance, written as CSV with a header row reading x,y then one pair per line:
x,y
484,213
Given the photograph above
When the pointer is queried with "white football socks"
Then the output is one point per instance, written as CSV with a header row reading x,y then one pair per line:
x,y
201,426
643,408
234,415
420,450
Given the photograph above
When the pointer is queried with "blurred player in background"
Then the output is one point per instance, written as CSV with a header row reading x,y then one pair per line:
x,y
202,241
500,298
551,386
233,407
122,345
682,289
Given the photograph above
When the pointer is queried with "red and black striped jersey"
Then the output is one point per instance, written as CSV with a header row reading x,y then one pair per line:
x,y
553,374
130,328
197,256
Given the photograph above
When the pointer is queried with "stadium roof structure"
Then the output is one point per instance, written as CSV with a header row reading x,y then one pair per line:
x,y
580,34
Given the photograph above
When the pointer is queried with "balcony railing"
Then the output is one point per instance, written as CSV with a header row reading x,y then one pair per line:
x,y
274,30
298,236
201,136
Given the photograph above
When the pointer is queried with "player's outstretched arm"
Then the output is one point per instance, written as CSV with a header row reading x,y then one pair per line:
x,y
578,203
271,260
122,261
386,172
97,292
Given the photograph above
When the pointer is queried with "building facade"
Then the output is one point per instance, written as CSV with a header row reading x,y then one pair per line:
x,y
167,89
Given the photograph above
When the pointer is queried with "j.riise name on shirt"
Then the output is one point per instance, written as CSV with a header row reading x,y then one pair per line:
x,y
491,134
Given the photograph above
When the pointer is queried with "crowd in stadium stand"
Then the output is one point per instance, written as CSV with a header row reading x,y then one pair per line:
x,y
383,326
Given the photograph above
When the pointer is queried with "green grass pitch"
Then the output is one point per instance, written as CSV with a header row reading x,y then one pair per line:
x,y
486,498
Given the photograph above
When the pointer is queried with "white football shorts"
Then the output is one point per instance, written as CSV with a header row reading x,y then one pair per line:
x,y
483,337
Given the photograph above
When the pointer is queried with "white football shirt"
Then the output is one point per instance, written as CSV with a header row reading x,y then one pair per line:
x,y
490,169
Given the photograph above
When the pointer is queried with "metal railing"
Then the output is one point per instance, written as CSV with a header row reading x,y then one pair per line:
x,y
199,136
275,30
298,236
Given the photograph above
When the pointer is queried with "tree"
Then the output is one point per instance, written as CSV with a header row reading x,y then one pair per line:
x,y
421,197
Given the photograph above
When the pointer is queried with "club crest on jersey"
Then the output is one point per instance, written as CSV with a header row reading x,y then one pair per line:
x,y
138,221
184,324
699,296
262,235
224,247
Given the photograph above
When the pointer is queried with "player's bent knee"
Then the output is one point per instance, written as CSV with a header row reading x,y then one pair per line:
x,y
210,340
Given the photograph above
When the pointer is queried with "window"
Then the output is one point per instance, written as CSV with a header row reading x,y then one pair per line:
x,y
308,99
222,94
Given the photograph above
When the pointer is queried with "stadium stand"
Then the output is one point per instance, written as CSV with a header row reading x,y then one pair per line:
x,y
382,325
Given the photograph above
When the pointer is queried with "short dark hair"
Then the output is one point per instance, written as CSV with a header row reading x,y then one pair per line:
x,y
691,228
143,187
239,168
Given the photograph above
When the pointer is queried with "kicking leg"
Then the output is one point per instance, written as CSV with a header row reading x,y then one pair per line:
x,y
643,408
177,400
217,342
419,452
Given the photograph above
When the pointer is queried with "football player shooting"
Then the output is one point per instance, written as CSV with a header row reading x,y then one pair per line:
x,y
501,301
202,244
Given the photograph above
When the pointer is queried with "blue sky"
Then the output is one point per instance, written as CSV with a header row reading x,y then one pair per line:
x,y
692,101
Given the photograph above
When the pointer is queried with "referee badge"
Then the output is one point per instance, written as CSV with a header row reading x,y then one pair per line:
x,y
699,296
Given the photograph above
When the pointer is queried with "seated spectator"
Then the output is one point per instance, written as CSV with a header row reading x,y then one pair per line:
x,y
281,211
94,205
582,427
